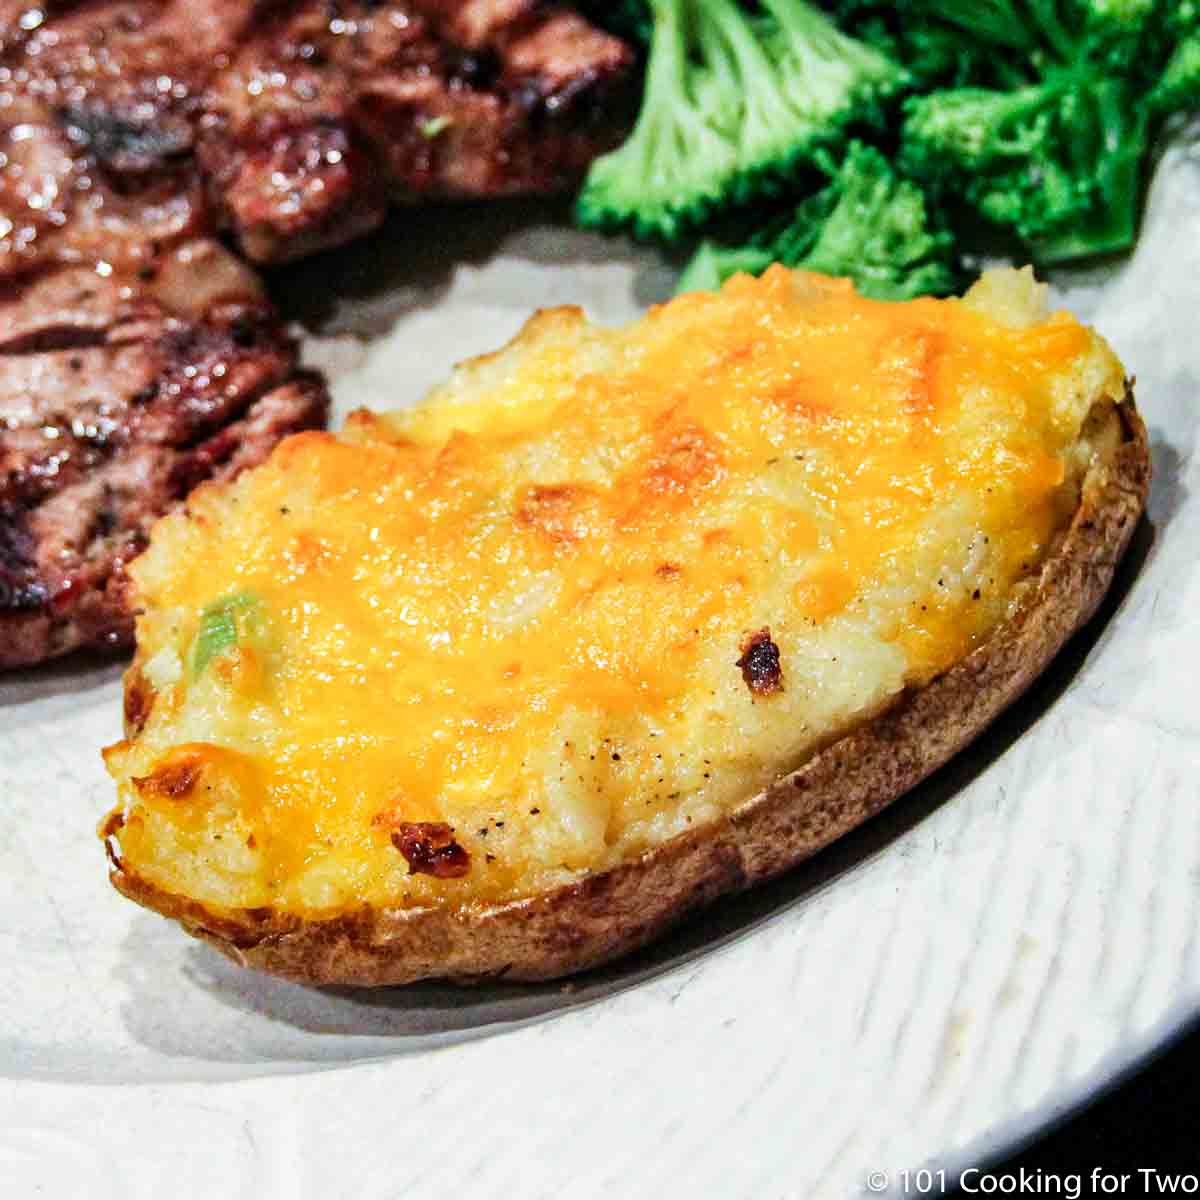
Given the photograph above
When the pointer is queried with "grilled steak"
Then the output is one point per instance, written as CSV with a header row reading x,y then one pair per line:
x,y
328,112
100,437
137,355
290,123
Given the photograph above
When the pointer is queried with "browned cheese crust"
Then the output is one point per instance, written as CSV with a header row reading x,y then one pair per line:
x,y
613,912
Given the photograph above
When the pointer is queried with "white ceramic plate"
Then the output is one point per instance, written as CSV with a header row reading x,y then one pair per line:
x,y
979,957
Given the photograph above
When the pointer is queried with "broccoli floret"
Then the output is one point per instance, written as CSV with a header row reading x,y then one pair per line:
x,y
868,224
1057,157
1010,43
1036,114
735,102
1057,161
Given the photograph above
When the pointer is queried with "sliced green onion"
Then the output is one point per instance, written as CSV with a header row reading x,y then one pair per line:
x,y
434,126
219,628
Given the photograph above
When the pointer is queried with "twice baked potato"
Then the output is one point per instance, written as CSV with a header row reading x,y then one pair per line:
x,y
616,621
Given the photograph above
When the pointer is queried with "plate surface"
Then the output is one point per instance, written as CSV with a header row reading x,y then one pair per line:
x,y
974,960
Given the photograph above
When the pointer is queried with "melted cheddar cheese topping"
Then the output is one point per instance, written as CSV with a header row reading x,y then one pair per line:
x,y
602,586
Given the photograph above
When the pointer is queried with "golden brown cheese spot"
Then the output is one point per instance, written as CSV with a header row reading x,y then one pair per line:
x,y
685,457
555,512
523,597
174,780
684,460
760,665
138,701
107,832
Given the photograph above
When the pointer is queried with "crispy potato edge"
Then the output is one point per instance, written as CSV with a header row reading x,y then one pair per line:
x,y
611,913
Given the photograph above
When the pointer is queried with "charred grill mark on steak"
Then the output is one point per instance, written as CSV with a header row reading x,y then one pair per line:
x,y
138,356
60,208
127,144
18,592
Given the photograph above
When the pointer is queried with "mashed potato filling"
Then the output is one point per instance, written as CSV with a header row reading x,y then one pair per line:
x,y
600,588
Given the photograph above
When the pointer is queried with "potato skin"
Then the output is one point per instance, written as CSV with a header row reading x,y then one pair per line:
x,y
616,911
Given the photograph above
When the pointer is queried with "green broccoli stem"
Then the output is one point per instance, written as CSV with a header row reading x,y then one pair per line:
x,y
1065,44
765,116
1003,23
810,29
990,20
806,26
831,63
639,182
